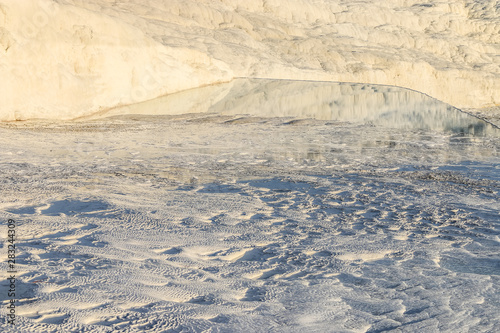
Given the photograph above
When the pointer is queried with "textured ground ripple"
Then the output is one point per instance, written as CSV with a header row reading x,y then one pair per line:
x,y
260,226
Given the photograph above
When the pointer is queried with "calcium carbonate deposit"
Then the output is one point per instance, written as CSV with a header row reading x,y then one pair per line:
x,y
263,206
68,58
249,166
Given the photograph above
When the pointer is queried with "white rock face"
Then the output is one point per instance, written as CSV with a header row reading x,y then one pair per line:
x,y
68,58
63,61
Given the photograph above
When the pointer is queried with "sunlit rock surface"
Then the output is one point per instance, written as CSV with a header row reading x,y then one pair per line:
x,y
68,58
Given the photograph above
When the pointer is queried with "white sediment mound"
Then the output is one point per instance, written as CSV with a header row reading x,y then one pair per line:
x,y
68,58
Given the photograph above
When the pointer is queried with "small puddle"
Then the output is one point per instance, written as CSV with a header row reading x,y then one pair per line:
x,y
377,105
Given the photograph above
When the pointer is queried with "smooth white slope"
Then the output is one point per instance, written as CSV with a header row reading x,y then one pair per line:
x,y
70,58
64,61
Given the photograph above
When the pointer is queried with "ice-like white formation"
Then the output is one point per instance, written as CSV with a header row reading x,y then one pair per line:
x,y
65,61
68,58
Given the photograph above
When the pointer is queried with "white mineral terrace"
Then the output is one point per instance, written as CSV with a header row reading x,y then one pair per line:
x,y
69,58
249,166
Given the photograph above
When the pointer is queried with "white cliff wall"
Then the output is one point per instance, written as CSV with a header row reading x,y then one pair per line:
x,y
67,58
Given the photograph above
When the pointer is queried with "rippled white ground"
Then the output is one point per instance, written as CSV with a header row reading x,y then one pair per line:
x,y
222,223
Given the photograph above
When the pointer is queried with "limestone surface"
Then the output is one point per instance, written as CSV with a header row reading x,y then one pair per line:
x,y
69,58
